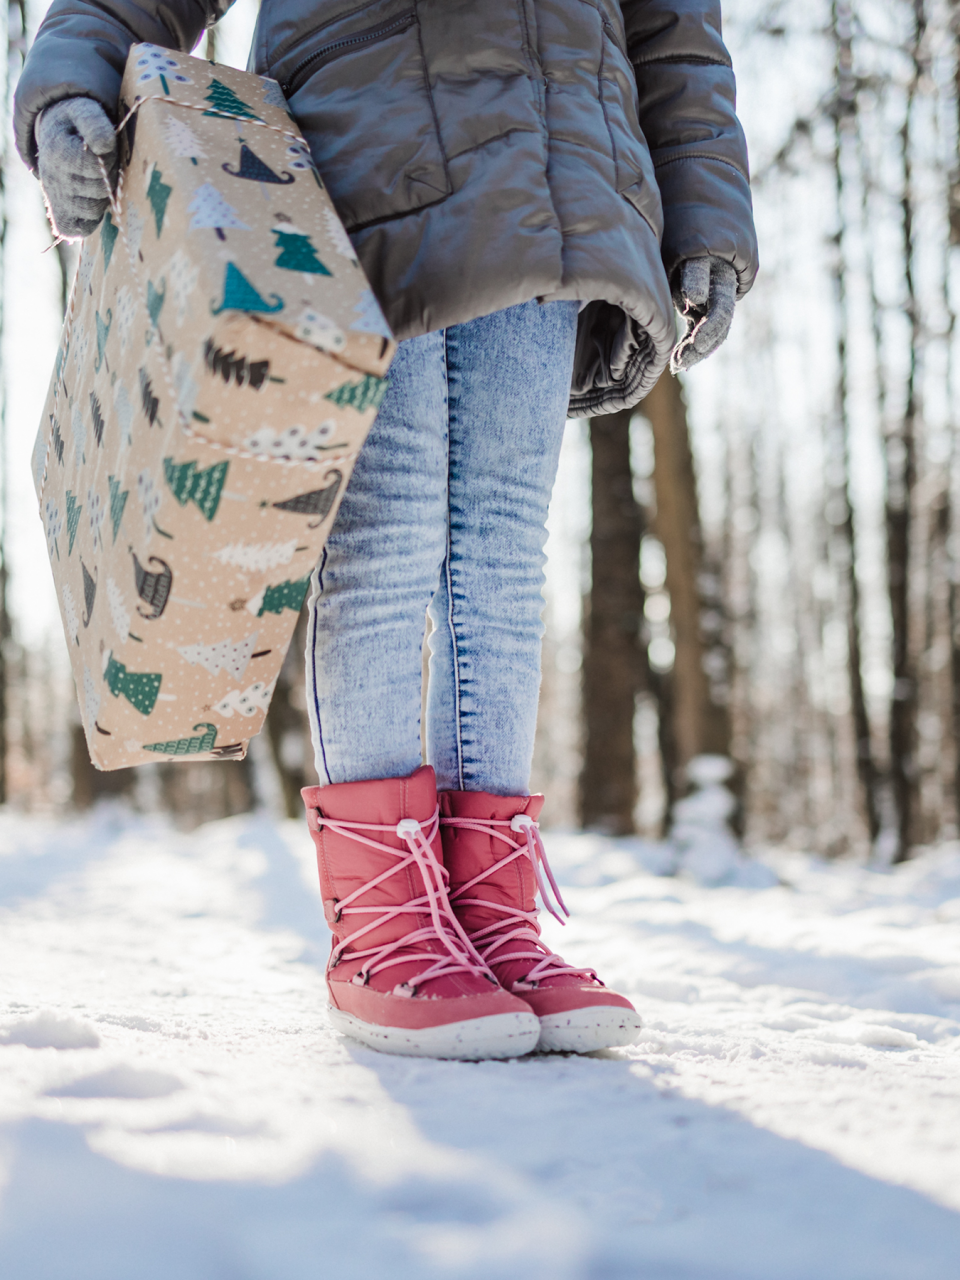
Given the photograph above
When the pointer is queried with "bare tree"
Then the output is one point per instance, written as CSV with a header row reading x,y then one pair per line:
x,y
844,112
613,657
701,723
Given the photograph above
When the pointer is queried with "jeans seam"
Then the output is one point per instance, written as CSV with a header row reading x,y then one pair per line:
x,y
313,664
451,625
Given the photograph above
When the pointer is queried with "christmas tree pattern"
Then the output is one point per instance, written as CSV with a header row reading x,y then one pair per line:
x,y
240,295
209,209
79,348
186,746
97,414
158,193
365,394
182,141
119,614
371,317
71,619
296,251
156,64
103,333
155,300
256,557
140,688
319,330
118,500
78,429
318,502
184,385
240,370
339,238
60,362
73,520
189,484
256,170
150,498
299,157
226,655
108,238
273,95
89,594
56,440
123,409
91,696
256,697
53,520
135,228
85,270
153,585
182,275
96,514
224,101
126,312
284,595
148,401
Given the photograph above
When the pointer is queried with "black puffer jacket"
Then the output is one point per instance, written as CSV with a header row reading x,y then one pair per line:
x,y
485,152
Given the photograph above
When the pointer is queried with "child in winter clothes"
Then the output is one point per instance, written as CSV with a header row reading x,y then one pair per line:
x,y
525,182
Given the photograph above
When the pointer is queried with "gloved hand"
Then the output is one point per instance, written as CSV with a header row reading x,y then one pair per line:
x,y
705,293
71,136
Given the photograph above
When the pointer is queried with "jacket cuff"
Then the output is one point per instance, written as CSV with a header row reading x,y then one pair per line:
x,y
707,213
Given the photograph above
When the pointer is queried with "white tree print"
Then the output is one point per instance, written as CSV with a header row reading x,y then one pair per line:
x,y
126,310
226,655
119,614
256,557
182,275
182,141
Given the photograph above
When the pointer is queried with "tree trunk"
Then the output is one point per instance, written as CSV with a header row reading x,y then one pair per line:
x,y
901,467
613,656
701,725
838,436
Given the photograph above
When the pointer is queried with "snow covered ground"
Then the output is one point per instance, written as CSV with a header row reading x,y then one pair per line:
x,y
173,1103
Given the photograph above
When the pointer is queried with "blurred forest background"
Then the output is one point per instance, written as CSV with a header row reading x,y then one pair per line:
x,y
754,579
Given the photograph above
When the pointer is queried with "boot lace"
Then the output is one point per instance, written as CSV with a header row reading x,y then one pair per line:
x,y
459,954
517,927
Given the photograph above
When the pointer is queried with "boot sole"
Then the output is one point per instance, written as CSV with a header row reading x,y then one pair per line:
x,y
585,1030
501,1035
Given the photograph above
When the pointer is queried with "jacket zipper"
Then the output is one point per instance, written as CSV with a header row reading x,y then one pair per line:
x,y
392,27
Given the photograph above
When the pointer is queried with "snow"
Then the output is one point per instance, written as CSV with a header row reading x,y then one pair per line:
x,y
173,1102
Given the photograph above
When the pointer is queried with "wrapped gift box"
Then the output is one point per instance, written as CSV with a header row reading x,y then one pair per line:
x,y
222,360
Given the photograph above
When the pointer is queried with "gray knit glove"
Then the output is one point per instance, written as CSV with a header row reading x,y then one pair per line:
x,y
71,136
705,293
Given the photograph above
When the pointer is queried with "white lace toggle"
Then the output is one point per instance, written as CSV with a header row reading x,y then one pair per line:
x,y
409,829
538,858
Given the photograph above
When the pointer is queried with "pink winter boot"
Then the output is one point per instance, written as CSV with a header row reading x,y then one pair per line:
x,y
494,856
402,975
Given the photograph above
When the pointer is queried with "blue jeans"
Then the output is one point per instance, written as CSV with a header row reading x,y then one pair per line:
x,y
446,510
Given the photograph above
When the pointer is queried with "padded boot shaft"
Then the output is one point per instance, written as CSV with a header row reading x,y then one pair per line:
x,y
468,854
493,887
381,890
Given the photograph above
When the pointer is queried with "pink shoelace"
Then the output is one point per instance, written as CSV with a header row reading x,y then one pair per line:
x,y
520,925
460,955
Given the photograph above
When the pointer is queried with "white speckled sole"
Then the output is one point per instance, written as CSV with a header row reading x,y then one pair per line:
x,y
501,1035
603,1026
